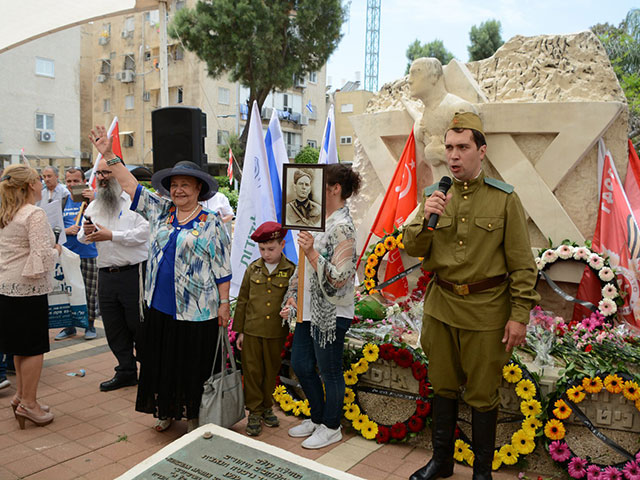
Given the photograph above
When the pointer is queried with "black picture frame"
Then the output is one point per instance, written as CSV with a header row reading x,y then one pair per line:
x,y
311,217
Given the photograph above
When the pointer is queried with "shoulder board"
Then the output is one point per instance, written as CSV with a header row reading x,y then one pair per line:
x,y
430,189
505,187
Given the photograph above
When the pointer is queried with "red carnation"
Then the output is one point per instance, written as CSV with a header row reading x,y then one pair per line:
x,y
588,348
425,389
423,408
384,435
290,337
419,371
283,353
387,351
416,424
403,358
398,431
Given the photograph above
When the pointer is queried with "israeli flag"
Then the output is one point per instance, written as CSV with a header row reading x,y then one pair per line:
x,y
255,202
329,150
277,156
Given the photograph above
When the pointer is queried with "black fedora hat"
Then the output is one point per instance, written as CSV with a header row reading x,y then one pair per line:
x,y
161,180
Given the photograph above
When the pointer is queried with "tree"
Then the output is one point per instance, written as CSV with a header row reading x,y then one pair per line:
x,y
260,43
307,155
434,49
237,148
485,40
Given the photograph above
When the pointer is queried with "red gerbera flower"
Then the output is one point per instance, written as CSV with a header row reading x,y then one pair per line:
x,y
283,353
588,348
290,337
416,424
403,358
423,408
384,434
425,389
419,370
387,351
287,345
398,431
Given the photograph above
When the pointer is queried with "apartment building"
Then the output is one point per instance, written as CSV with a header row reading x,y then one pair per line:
x,y
40,101
349,101
126,84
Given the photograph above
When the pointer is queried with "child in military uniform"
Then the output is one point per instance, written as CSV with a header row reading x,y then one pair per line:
x,y
257,320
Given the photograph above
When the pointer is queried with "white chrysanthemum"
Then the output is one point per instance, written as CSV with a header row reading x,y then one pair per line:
x,y
595,261
607,307
565,251
606,274
581,253
549,256
609,291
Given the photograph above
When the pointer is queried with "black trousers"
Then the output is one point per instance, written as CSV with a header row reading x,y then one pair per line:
x,y
119,297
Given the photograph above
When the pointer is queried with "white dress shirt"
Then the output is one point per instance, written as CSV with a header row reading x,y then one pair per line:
x,y
48,196
218,203
130,231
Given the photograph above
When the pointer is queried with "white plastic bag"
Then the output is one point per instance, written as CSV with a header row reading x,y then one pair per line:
x,y
67,301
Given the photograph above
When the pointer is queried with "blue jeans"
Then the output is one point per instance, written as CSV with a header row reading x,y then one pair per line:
x,y
306,353
3,366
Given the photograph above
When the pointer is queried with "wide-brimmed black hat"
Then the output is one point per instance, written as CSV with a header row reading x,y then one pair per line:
x,y
161,180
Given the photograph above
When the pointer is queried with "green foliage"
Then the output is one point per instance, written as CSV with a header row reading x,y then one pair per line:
x,y
434,49
232,195
307,155
485,40
237,148
223,181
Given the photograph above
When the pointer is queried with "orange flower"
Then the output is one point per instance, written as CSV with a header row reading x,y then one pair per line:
x,y
592,385
613,383
562,410
372,261
576,394
631,391
554,429
369,271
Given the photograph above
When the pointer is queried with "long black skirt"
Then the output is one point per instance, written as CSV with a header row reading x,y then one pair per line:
x,y
175,360
24,325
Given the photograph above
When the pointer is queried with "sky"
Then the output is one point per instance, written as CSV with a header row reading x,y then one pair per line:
x,y
403,21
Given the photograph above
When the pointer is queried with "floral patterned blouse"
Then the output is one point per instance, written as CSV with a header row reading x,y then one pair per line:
x,y
202,256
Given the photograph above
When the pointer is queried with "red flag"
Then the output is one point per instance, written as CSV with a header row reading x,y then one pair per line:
x,y
616,236
117,150
632,181
399,288
230,166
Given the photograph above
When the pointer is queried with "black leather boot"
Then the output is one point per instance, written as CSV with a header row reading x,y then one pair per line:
x,y
445,416
484,441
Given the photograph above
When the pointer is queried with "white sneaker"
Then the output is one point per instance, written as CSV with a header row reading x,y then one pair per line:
x,y
306,428
4,383
323,437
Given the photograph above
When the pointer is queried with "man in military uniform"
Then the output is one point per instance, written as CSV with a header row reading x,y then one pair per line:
x,y
257,320
302,210
476,308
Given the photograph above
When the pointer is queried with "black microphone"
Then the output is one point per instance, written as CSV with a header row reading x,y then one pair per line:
x,y
56,232
443,186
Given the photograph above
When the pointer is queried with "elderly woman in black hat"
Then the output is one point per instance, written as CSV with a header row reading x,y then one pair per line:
x,y
187,285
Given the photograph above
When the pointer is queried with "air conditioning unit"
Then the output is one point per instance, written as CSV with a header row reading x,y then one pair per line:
x,y
146,96
127,33
103,40
101,78
46,136
125,76
300,82
266,112
304,120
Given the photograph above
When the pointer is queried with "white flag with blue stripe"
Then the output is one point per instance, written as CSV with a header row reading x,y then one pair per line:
x,y
255,202
277,156
329,149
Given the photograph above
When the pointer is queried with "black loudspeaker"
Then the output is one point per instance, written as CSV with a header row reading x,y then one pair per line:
x,y
178,134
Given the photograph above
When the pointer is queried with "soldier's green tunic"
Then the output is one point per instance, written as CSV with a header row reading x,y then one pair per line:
x,y
482,234
257,316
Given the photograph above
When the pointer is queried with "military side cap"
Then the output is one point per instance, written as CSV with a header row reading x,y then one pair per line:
x,y
268,231
466,120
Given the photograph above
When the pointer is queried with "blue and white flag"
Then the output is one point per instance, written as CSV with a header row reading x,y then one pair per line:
x,y
255,202
277,156
309,107
328,149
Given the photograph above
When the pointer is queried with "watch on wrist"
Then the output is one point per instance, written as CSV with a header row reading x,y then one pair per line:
x,y
114,160
224,300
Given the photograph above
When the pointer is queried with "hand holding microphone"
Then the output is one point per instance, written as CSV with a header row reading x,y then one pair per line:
x,y
434,205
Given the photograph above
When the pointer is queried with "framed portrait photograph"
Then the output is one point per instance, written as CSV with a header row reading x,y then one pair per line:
x,y
303,197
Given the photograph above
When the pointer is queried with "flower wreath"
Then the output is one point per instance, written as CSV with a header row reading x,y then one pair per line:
x,y
608,305
285,396
554,429
522,441
404,358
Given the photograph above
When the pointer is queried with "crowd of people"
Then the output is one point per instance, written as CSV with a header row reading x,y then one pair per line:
x,y
163,279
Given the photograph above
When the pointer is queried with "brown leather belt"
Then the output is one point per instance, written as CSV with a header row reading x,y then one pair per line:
x,y
467,288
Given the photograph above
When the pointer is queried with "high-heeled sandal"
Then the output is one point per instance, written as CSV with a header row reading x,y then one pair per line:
x,y
23,413
162,424
14,405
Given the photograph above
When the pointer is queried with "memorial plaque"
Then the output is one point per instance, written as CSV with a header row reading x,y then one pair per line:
x,y
214,453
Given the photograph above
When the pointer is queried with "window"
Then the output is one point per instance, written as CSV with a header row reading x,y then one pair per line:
x,y
152,17
128,102
105,67
224,95
147,55
179,53
346,107
179,5
312,143
313,77
45,67
345,140
180,95
129,62
129,26
106,29
44,121
127,139
106,105
223,137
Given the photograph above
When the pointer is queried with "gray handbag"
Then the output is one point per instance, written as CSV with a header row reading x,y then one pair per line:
x,y
222,399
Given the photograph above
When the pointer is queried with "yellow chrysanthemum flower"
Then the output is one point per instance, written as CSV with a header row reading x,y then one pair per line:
x,y
576,394
526,389
350,377
554,429
630,391
592,385
399,241
351,411
278,392
360,421
530,408
390,243
461,450
497,460
369,272
380,250
522,442
512,373
372,261
286,403
470,457
530,425
369,430
349,396
360,367
306,411
508,454
297,406
369,283
370,352
562,410
613,383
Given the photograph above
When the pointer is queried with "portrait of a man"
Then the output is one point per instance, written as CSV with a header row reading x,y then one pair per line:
x,y
303,189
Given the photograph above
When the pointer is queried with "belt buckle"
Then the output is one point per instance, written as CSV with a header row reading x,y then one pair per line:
x,y
461,289
114,269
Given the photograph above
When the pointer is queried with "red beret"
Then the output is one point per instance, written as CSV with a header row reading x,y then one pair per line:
x,y
268,231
